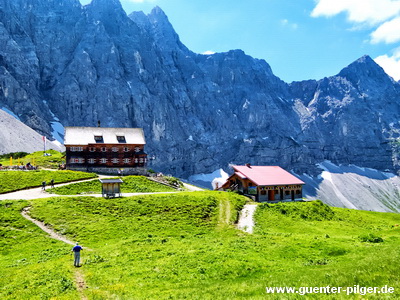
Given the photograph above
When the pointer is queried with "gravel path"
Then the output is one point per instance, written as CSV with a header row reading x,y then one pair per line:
x,y
79,277
36,193
41,225
246,218
192,188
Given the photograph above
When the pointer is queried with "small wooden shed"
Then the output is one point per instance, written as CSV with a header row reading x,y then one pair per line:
x,y
111,187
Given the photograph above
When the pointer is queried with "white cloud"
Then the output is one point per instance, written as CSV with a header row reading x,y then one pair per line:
x,y
359,11
383,16
208,52
388,32
391,64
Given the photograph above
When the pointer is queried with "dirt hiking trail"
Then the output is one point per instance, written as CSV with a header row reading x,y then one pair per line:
x,y
79,277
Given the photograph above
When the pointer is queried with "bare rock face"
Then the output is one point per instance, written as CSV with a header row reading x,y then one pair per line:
x,y
81,64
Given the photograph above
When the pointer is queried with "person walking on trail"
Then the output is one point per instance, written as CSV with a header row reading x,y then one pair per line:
x,y
43,185
52,183
77,254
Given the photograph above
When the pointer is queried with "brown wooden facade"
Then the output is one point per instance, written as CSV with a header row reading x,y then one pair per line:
x,y
105,149
106,155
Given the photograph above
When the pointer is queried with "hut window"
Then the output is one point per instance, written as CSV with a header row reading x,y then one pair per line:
x,y
78,160
126,149
76,149
98,138
121,139
103,149
137,149
103,160
92,149
114,149
115,160
263,192
127,160
91,160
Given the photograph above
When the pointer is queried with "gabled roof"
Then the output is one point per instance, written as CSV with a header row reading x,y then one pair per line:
x,y
86,135
267,175
113,180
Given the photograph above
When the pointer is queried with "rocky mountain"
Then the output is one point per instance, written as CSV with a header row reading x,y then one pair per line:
x,y
61,62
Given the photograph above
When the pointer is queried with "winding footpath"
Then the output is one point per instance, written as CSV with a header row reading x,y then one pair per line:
x,y
79,278
36,193
42,225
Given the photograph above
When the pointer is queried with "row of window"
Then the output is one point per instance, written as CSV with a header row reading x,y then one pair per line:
x,y
76,149
105,160
104,149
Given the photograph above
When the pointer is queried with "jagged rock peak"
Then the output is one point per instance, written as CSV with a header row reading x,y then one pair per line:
x,y
364,66
107,5
158,11
164,32
157,15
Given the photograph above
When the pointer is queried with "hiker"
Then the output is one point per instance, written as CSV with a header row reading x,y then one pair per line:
x,y
43,185
52,183
77,254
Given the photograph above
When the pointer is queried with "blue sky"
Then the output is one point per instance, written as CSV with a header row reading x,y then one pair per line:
x,y
300,39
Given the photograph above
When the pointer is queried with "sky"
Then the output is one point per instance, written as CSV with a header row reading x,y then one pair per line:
x,y
299,39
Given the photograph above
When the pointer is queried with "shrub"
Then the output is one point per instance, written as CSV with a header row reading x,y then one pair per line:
x,y
370,238
310,211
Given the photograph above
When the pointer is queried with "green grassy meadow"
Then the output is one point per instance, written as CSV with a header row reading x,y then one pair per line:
x,y
32,265
18,180
131,184
185,246
36,159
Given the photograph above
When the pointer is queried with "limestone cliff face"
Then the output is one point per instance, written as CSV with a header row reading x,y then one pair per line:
x,y
82,64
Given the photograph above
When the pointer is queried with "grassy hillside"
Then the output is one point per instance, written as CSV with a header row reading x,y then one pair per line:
x,y
32,265
37,158
183,246
132,184
18,180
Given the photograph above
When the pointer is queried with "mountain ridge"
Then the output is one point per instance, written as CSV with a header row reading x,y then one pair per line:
x,y
199,112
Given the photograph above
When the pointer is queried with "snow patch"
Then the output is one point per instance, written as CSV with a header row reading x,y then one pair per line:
x,y
218,177
246,104
326,175
57,131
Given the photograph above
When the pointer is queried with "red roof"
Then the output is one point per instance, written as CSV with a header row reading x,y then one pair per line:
x,y
267,175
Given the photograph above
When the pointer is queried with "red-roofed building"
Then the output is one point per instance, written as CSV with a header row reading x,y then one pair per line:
x,y
266,183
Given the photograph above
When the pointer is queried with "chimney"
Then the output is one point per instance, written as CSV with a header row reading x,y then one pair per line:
x,y
98,123
248,165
